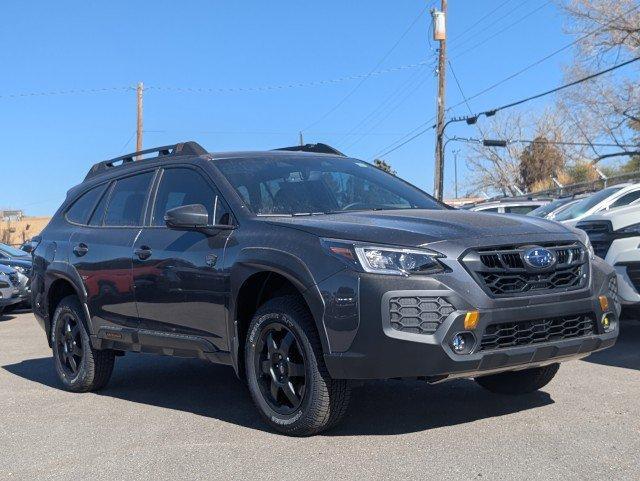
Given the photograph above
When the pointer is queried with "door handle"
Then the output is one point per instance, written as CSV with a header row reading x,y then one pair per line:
x,y
143,253
80,249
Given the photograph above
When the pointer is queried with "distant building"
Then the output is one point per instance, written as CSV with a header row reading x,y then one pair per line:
x,y
11,215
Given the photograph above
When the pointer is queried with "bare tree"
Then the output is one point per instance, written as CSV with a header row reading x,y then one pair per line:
x,y
607,108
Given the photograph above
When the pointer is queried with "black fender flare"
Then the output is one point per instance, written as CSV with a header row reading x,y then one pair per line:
x,y
253,260
59,270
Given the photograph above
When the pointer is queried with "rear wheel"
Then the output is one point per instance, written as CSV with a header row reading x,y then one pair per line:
x,y
287,378
519,382
79,366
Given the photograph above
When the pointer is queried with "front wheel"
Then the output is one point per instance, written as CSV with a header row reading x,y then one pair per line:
x,y
519,382
287,377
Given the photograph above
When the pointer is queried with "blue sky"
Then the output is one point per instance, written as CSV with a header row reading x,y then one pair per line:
x,y
50,141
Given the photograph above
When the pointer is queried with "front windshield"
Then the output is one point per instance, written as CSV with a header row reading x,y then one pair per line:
x,y
290,185
545,210
12,251
582,207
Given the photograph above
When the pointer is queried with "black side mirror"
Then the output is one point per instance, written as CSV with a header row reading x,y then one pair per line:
x,y
192,216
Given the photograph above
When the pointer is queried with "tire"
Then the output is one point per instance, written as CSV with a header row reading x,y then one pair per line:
x,y
282,341
79,366
519,382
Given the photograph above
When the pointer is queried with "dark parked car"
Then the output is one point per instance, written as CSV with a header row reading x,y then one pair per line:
x,y
306,271
9,293
21,262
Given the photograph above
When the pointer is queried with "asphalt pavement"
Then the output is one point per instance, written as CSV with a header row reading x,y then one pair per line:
x,y
166,418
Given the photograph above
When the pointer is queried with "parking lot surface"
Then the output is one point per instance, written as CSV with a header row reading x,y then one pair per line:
x,y
166,418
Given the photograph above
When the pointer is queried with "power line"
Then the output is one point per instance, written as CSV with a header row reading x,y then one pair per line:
x,y
501,31
366,77
481,19
562,87
551,142
262,88
492,112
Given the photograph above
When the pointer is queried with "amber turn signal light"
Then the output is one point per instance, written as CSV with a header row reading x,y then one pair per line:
x,y
471,320
604,302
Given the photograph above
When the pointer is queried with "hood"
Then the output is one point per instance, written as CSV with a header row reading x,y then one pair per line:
x,y
619,217
6,269
418,227
25,263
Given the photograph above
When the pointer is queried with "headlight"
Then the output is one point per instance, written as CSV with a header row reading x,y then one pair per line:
x,y
384,259
630,230
584,238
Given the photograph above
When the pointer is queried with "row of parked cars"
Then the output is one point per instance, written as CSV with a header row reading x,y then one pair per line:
x,y
15,277
610,217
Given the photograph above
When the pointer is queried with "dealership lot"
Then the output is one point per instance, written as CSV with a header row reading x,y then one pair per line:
x,y
169,418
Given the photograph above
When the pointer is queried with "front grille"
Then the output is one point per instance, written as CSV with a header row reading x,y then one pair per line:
x,y
15,280
613,287
510,334
600,234
418,314
502,272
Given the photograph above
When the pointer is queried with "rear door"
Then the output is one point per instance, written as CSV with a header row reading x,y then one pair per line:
x,y
101,249
180,283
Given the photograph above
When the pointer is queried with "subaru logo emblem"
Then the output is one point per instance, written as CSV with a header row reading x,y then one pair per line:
x,y
539,257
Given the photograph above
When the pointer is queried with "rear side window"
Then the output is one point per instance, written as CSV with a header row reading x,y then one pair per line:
x,y
98,212
182,186
82,208
126,202
626,199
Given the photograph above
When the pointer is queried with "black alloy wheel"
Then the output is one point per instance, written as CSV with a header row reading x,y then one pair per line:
x,y
280,368
69,345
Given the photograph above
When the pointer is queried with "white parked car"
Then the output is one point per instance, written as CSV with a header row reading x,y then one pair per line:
x,y
615,236
609,198
507,206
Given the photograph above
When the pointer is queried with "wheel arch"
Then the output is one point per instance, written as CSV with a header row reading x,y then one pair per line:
x,y
255,281
61,280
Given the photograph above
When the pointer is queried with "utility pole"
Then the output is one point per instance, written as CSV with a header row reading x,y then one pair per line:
x,y
139,130
301,139
439,34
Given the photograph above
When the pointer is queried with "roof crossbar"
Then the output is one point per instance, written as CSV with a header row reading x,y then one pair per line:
x,y
180,149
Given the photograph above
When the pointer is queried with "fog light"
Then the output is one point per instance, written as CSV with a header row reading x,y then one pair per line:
x,y
471,319
462,343
458,343
604,303
608,322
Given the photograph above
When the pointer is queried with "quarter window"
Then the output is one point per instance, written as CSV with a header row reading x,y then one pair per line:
x,y
82,208
627,199
182,186
126,202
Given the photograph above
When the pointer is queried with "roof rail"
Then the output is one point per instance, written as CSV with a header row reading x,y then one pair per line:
x,y
182,148
318,148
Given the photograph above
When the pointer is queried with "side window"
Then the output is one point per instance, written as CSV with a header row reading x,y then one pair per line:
x,y
626,199
82,208
98,212
181,186
489,209
519,209
126,202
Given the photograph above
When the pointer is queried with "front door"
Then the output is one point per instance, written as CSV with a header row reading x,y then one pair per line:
x,y
180,285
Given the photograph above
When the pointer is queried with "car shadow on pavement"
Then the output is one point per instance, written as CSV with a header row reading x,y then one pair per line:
x,y
626,352
379,408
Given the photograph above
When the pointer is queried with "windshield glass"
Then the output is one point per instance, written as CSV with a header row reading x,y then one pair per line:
x,y
580,208
289,185
12,251
545,210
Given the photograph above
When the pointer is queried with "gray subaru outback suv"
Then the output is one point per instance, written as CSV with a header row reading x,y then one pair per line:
x,y
305,270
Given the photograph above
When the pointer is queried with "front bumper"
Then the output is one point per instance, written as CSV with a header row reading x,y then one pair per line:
x,y
624,256
377,351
